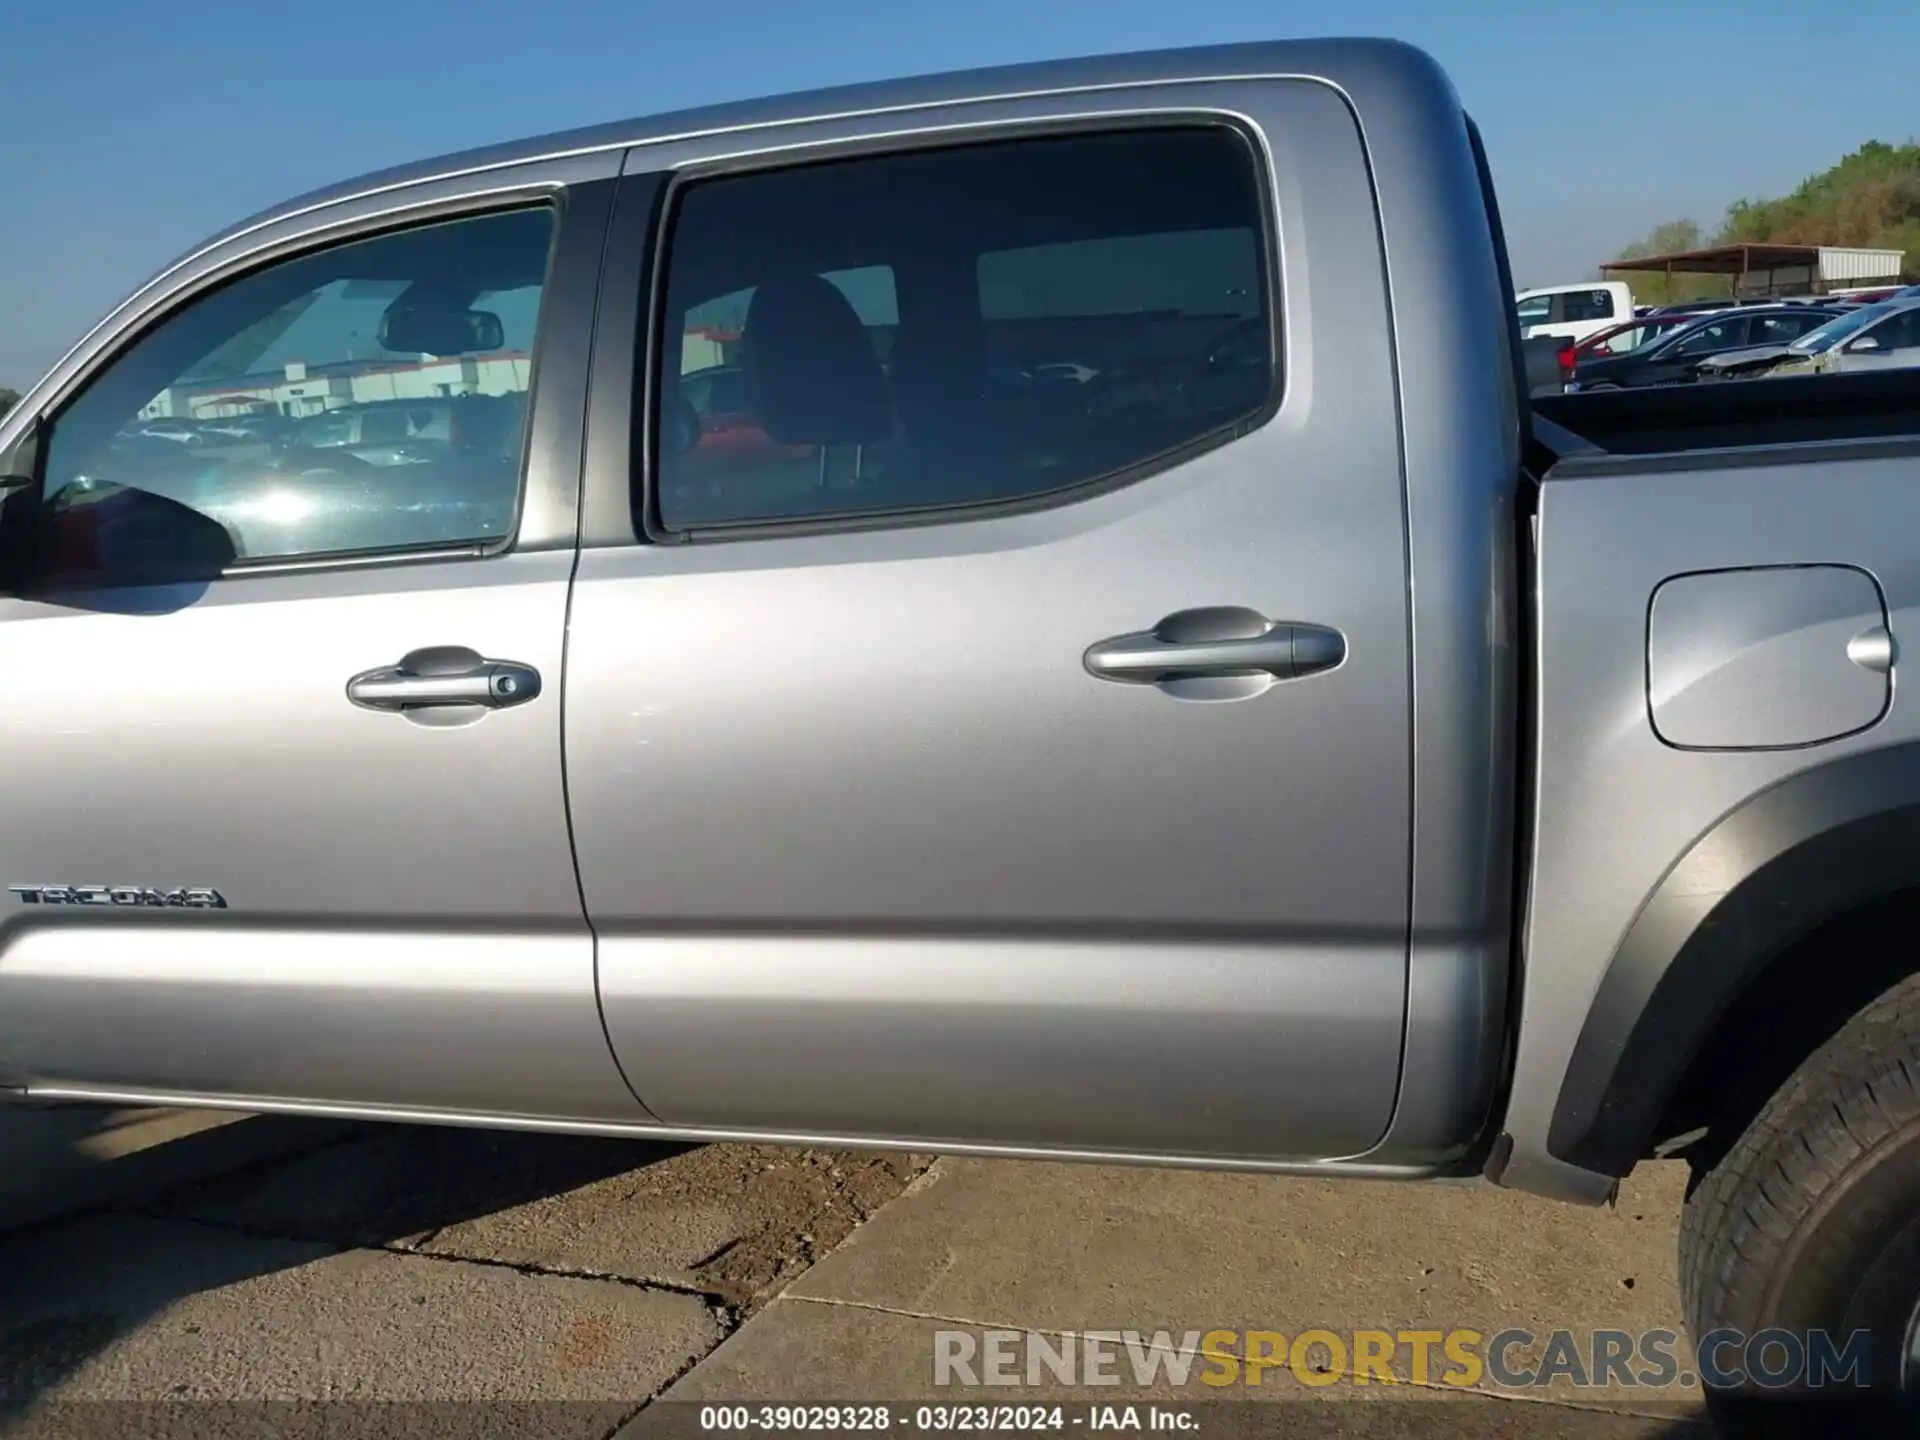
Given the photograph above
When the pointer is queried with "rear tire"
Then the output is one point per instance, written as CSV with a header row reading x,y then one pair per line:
x,y
1811,1223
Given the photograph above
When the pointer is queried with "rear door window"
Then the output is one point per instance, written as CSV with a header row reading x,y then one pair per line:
x,y
1779,329
962,326
1584,305
1717,335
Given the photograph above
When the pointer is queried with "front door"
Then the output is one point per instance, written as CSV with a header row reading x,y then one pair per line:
x,y
1891,344
997,730
281,815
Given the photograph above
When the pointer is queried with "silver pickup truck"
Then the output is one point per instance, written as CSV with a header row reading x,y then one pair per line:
x,y
1025,613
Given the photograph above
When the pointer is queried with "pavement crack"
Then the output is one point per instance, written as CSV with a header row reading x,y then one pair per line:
x,y
236,1227
687,1367
907,1314
713,1298
722,1307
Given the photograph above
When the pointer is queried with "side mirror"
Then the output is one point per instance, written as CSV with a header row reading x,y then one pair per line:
x,y
116,535
431,330
1865,344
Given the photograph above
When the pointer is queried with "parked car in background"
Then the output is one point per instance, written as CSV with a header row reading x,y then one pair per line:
x,y
383,432
1692,307
719,398
257,429
1672,359
1867,295
407,432
1751,361
175,432
1884,336
1576,311
723,435
1629,335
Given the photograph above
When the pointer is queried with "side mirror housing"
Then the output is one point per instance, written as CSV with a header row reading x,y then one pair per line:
x,y
1866,344
116,536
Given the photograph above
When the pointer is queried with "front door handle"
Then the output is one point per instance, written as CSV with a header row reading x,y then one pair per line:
x,y
1192,652
444,675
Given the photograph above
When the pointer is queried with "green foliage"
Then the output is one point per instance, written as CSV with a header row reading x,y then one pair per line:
x,y
1653,288
8,399
1871,198
1665,238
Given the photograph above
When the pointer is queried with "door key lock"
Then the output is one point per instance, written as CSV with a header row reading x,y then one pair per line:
x,y
514,683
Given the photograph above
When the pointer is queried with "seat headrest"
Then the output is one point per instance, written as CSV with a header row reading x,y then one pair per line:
x,y
815,378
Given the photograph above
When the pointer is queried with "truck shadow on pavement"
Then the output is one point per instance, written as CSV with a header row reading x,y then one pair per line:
x,y
144,1234
269,1258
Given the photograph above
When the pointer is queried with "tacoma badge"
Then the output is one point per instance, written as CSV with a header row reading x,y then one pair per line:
x,y
188,898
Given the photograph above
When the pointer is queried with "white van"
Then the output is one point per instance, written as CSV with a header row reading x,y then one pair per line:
x,y
1576,311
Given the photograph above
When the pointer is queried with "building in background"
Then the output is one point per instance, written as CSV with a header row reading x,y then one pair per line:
x,y
1769,269
298,389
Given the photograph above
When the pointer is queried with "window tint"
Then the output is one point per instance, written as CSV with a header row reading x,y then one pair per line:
x,y
1535,310
1633,338
1720,335
1588,304
958,326
1902,332
365,397
1779,329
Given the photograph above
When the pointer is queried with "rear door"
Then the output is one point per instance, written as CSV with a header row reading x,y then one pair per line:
x,y
999,733
273,830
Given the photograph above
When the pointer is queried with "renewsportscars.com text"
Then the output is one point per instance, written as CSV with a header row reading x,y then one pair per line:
x,y
1458,1357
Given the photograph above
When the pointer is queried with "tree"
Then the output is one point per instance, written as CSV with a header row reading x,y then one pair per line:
x,y
1871,198
8,399
1658,288
1664,239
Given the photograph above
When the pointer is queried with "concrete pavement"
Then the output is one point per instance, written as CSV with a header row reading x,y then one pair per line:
x,y
1067,1250
59,1159
550,1285
456,1274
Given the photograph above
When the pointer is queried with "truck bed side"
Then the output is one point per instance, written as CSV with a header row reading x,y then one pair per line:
x,y
1719,753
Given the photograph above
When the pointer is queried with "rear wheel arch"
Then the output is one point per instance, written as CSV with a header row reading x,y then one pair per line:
x,y
1728,972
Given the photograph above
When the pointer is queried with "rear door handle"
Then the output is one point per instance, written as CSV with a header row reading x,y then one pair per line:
x,y
444,675
1218,643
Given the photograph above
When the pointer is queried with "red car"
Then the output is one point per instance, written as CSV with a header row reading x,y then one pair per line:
x,y
1628,335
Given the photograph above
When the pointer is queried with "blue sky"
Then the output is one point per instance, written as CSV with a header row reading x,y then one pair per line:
x,y
134,127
